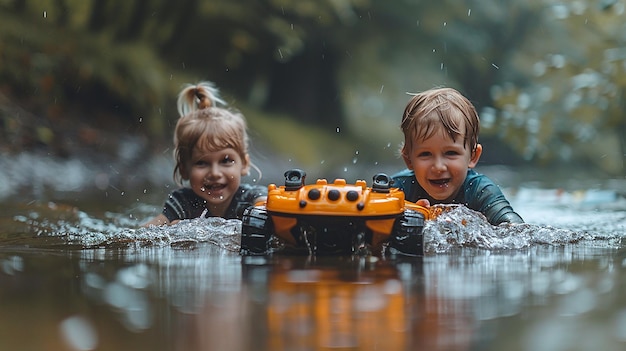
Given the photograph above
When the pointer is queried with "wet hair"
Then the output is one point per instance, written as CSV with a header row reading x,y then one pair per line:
x,y
437,108
207,126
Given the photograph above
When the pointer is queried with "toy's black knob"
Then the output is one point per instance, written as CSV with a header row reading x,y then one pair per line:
x,y
334,195
314,194
294,179
382,183
352,195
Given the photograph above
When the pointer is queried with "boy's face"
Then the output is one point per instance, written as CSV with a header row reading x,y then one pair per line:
x,y
440,164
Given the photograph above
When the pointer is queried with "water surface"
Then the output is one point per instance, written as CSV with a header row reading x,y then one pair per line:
x,y
84,277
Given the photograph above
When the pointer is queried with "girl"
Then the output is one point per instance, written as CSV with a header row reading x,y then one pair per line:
x,y
211,153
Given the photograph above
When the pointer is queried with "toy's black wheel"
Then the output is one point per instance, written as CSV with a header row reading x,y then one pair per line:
x,y
407,236
255,231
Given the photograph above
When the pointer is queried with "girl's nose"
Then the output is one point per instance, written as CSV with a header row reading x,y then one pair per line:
x,y
212,172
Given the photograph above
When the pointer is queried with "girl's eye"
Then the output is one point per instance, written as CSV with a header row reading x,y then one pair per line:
x,y
201,163
228,160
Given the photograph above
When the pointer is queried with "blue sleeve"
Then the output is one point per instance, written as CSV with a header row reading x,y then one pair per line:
x,y
483,195
405,181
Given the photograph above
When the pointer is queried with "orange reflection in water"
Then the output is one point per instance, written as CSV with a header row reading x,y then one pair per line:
x,y
317,307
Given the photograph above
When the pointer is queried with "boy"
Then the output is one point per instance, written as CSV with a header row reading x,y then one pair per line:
x,y
440,150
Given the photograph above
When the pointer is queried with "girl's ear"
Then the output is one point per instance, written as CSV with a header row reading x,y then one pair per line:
x,y
184,172
245,170
475,156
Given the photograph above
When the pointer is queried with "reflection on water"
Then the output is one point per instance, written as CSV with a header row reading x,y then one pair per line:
x,y
208,298
71,281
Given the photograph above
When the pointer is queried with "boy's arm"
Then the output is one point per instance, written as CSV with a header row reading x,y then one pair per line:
x,y
486,197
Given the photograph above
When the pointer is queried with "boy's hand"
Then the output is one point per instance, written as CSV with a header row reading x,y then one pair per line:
x,y
423,202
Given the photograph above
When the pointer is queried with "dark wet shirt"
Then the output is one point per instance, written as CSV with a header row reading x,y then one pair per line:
x,y
183,203
478,193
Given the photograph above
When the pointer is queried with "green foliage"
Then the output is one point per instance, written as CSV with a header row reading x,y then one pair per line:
x,y
553,70
571,107
57,70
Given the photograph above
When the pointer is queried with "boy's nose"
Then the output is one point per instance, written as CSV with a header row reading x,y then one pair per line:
x,y
439,165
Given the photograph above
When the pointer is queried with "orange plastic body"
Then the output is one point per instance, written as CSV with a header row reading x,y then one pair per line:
x,y
378,209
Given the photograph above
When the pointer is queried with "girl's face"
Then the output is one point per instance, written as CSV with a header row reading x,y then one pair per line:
x,y
440,164
215,176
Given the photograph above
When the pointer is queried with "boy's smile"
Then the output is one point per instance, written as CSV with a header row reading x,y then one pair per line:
x,y
440,182
440,164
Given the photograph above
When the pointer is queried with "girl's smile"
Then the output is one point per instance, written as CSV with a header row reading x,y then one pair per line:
x,y
215,176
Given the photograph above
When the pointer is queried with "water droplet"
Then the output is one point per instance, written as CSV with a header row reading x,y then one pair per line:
x,y
338,130
203,189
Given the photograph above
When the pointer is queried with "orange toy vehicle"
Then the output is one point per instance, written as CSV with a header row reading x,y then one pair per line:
x,y
335,218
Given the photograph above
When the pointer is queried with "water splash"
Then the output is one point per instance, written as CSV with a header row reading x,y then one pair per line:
x,y
454,227
459,226
80,229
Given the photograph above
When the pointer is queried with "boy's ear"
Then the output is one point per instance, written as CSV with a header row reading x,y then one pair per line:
x,y
406,158
475,156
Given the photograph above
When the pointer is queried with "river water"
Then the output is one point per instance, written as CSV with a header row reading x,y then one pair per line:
x,y
77,273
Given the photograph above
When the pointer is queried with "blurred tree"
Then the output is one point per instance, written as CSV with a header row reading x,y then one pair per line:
x,y
569,104
330,63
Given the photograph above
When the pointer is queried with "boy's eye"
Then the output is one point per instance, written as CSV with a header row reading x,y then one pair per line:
x,y
423,154
451,153
201,163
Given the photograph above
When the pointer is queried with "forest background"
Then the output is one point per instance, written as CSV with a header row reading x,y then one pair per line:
x,y
90,85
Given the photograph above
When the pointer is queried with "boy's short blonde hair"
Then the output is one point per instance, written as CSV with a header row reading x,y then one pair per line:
x,y
437,108
205,126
